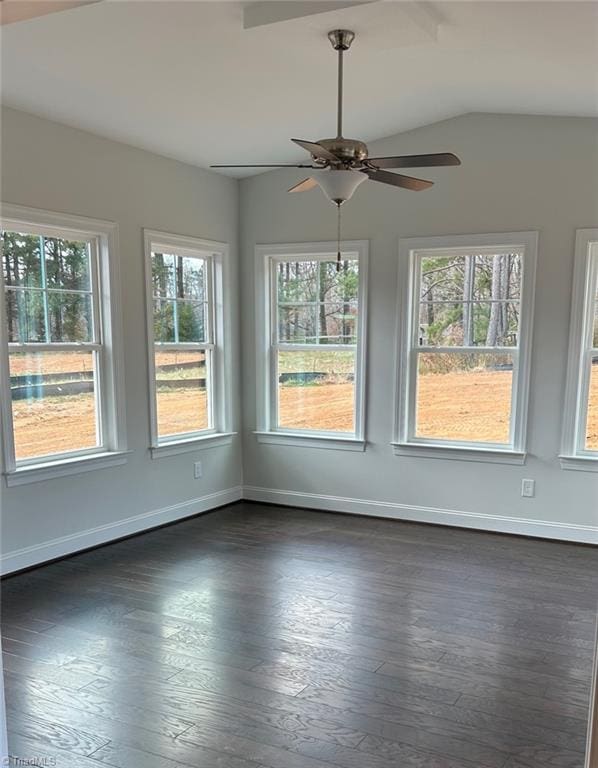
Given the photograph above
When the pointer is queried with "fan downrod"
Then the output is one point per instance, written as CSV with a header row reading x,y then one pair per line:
x,y
350,152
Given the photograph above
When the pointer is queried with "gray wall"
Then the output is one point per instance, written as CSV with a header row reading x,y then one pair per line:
x,y
518,173
50,166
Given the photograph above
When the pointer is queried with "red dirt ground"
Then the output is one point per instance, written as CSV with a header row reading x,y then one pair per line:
x,y
453,405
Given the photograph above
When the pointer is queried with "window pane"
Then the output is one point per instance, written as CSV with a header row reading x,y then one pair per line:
x,y
298,324
181,392
67,264
182,277
191,321
297,281
338,323
21,259
496,277
319,281
317,390
164,320
595,327
191,283
464,396
53,402
179,321
470,277
318,323
592,425
70,316
441,278
25,316
477,324
163,274
339,282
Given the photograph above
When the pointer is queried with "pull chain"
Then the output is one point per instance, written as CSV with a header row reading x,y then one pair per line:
x,y
338,237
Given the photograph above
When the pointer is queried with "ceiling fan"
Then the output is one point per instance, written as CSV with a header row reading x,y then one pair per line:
x,y
339,165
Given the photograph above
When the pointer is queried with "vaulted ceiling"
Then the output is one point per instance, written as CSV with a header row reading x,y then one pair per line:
x,y
213,82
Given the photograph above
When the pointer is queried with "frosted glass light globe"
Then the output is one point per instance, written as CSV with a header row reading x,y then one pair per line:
x,y
338,184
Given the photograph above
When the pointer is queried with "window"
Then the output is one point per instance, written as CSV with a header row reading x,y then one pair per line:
x,y
466,333
186,331
314,330
59,356
580,436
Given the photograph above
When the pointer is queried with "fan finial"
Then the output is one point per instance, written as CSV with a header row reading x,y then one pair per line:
x,y
341,39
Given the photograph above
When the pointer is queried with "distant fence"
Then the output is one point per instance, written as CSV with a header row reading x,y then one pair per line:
x,y
39,390
40,385
40,379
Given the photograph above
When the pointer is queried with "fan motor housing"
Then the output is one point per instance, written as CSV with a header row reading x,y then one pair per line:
x,y
349,151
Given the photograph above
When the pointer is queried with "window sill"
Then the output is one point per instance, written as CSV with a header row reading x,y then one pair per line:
x,y
579,463
193,444
300,440
459,453
36,473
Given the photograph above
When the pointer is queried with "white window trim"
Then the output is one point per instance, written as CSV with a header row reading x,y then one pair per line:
x,y
68,466
266,432
114,449
405,444
573,455
306,440
220,433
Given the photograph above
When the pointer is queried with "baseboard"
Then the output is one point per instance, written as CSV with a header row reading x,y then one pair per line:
x,y
583,534
93,537
37,554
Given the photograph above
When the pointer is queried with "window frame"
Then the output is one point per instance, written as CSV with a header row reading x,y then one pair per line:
x,y
267,256
106,345
574,454
218,321
404,441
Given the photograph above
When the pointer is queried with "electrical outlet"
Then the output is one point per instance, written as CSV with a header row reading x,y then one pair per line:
x,y
197,470
528,488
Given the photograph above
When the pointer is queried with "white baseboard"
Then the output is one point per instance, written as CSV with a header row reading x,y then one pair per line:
x,y
585,534
68,545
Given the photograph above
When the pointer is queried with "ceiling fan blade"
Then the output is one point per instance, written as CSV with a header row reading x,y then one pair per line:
x,y
265,165
304,185
317,150
416,161
398,180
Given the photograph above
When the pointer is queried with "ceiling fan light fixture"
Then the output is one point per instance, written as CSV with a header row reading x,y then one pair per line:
x,y
338,184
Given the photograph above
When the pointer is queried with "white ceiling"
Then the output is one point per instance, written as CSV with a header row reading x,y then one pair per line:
x,y
186,80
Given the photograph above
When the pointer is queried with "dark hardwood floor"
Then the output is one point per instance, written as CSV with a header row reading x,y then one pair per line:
x,y
266,637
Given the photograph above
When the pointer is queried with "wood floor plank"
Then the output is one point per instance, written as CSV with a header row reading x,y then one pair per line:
x,y
121,756
86,702
52,735
25,751
510,719
266,637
